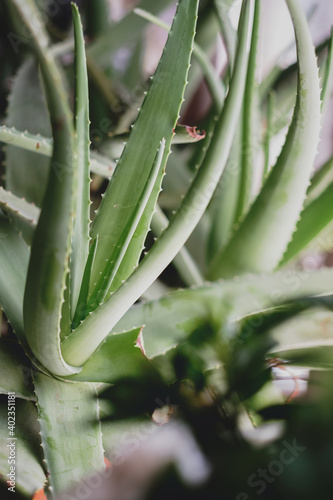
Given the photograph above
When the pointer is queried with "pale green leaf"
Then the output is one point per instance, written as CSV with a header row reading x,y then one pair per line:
x,y
70,432
262,237
81,188
102,320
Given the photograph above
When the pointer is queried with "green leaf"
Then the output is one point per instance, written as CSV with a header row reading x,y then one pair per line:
x,y
214,83
262,237
170,320
80,238
194,204
223,207
133,169
81,309
328,77
15,370
48,265
110,274
14,259
43,145
119,356
29,472
222,8
22,215
315,217
248,135
320,181
70,432
184,263
26,173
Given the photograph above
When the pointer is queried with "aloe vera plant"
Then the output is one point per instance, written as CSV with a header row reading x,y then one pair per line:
x,y
73,282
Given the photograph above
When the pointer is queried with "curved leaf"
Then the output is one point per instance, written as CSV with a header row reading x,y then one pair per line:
x,y
48,266
262,237
163,100
185,220
70,432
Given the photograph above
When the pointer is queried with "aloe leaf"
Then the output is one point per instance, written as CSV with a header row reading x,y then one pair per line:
x,y
26,173
14,259
222,8
262,237
71,435
117,357
80,238
320,181
207,32
327,82
22,215
110,274
15,370
248,140
214,83
223,207
268,133
163,100
185,265
29,472
171,319
182,224
44,145
30,142
48,265
81,309
315,217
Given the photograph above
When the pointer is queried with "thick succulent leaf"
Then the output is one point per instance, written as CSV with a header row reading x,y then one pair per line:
x,y
110,274
80,238
43,145
170,320
27,172
315,217
15,370
14,258
29,472
186,266
223,207
320,181
48,266
214,83
229,35
71,436
248,125
205,38
163,100
262,237
183,223
22,215
119,356
327,82
81,309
